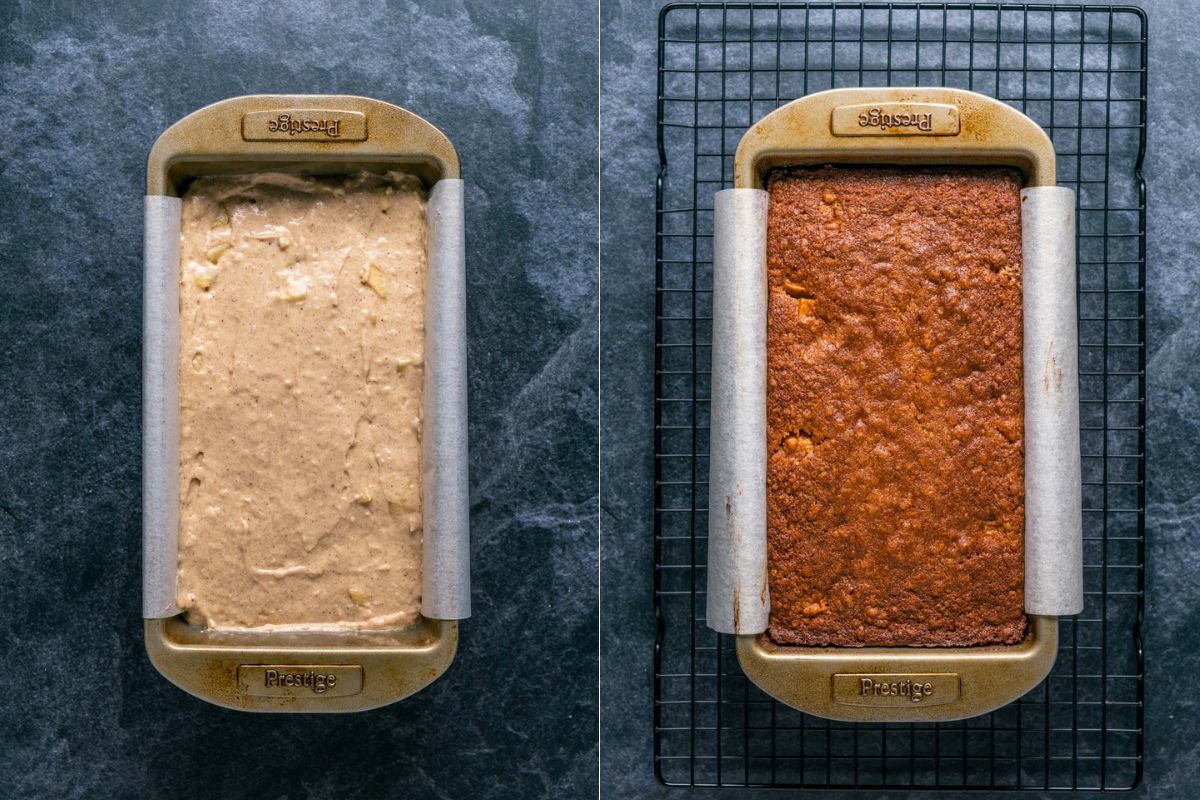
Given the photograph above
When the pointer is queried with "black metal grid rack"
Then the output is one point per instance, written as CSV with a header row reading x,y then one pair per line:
x,y
1079,71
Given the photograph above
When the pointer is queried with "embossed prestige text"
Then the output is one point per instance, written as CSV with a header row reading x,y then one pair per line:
x,y
877,118
286,123
926,689
913,690
318,682
304,125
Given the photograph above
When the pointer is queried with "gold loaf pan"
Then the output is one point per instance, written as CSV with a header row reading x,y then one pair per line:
x,y
897,126
319,671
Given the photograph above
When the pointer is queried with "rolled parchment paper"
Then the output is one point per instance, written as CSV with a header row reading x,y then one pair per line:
x,y
1053,489
160,406
446,589
446,564
738,600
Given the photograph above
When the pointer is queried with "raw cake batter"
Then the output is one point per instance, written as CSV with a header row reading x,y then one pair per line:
x,y
301,345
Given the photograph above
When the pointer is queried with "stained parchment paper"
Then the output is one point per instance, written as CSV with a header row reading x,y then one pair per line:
x,y
1053,489
446,588
738,599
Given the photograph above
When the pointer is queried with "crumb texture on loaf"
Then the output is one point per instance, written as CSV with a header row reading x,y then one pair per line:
x,y
895,475
300,378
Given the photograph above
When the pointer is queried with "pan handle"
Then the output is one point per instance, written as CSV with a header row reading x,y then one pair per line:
x,y
270,129
894,125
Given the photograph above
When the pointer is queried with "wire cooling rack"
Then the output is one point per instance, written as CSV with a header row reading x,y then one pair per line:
x,y
1080,72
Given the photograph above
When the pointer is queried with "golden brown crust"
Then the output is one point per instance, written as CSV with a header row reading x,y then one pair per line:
x,y
895,475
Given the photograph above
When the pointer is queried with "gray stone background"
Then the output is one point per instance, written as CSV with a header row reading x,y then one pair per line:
x,y
85,88
629,160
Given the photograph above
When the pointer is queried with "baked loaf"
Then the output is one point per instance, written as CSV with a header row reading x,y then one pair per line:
x,y
895,476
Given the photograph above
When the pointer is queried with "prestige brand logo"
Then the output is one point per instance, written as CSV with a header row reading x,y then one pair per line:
x,y
300,680
896,690
318,682
331,125
913,690
286,123
878,118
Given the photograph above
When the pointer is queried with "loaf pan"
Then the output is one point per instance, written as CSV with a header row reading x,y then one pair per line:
x,y
274,671
897,126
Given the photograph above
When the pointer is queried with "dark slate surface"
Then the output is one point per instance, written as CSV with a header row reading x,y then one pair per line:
x,y
84,91
1172,639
